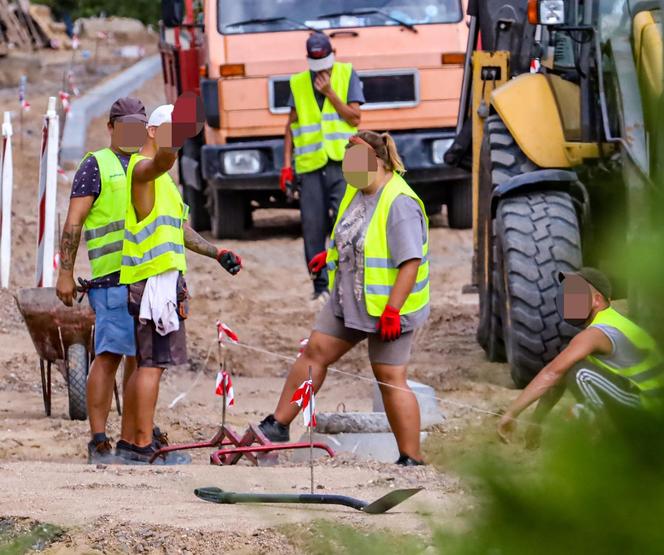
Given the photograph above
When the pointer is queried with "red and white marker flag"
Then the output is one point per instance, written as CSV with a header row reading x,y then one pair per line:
x,y
48,173
22,85
64,100
226,333
75,42
224,382
6,187
305,399
303,345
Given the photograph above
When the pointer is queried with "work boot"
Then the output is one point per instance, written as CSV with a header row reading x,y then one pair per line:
x,y
273,430
132,454
405,460
100,451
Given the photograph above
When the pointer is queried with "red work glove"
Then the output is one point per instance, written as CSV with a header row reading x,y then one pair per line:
x,y
389,325
318,263
286,176
229,261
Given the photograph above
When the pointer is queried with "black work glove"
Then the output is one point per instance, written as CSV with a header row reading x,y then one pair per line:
x,y
229,261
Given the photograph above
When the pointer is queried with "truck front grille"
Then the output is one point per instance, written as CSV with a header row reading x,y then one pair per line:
x,y
382,89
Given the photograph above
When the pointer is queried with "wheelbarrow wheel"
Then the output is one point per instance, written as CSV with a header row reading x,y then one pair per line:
x,y
77,375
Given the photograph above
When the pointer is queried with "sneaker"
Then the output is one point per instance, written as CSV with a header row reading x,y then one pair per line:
x,y
273,430
405,460
125,451
159,438
101,452
132,454
319,298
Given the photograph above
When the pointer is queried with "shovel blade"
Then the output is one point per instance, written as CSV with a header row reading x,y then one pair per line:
x,y
392,499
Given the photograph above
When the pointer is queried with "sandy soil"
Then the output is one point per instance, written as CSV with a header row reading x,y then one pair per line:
x,y
43,474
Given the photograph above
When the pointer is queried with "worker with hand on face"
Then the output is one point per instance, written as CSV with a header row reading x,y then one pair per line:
x,y
97,209
612,367
325,111
379,282
153,264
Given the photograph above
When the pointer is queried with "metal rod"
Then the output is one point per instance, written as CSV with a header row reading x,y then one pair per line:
x,y
311,439
223,387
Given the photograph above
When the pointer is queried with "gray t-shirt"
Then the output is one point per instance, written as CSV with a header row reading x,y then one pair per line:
x,y
355,91
624,353
406,233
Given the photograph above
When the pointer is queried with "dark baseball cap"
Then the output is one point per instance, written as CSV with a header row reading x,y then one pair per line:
x,y
128,109
318,46
594,277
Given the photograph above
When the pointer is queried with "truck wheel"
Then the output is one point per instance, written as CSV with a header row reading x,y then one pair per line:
x,y
490,327
199,217
232,215
460,206
537,236
77,377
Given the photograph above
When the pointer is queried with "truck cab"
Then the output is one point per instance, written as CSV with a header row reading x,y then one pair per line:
x,y
239,55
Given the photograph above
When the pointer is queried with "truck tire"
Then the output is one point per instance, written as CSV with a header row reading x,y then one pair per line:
x,y
199,217
77,377
537,236
460,206
231,218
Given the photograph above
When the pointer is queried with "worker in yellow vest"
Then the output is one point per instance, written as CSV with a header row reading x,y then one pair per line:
x,y
153,264
612,366
325,111
97,209
379,282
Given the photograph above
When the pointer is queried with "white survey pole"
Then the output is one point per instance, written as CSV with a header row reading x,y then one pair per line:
x,y
6,186
48,175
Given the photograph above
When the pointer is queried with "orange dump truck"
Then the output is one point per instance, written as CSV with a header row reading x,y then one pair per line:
x,y
240,54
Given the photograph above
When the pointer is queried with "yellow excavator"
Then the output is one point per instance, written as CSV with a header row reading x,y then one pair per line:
x,y
559,110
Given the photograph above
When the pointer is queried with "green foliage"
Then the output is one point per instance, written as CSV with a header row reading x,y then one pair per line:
x,y
16,539
148,11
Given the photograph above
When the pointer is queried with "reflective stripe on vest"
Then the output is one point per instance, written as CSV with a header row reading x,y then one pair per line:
x,y
155,244
104,226
647,375
319,136
380,271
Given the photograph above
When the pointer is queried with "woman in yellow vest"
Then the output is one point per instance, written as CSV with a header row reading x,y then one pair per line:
x,y
379,288
611,366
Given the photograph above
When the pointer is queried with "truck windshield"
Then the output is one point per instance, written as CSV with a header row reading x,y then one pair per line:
x,y
260,16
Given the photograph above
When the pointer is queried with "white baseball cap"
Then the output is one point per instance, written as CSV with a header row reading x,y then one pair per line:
x,y
162,114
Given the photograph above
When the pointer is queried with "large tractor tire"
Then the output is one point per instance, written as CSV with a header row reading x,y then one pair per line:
x,y
77,377
460,206
537,236
199,217
232,215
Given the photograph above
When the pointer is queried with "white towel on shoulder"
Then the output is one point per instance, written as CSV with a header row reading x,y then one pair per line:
x,y
159,302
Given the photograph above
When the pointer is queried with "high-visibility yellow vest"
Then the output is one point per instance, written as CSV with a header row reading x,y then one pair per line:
x,y
319,136
103,229
155,244
380,271
647,375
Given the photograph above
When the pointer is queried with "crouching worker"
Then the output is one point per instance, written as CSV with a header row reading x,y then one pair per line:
x,y
612,367
379,283
153,265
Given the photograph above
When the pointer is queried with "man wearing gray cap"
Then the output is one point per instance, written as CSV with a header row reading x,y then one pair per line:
x,y
325,111
612,365
97,209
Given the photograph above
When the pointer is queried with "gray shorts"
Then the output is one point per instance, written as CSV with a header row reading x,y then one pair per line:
x,y
395,353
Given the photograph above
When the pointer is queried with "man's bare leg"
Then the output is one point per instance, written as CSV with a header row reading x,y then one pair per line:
x,y
101,382
128,401
146,392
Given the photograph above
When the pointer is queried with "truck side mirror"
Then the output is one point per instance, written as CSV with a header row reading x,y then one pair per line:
x,y
172,12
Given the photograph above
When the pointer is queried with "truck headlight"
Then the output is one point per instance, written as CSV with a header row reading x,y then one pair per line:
x,y
552,12
439,148
242,162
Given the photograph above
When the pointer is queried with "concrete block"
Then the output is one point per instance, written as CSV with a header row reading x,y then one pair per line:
x,y
351,422
430,412
379,446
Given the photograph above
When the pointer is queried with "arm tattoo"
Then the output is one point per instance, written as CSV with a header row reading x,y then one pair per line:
x,y
194,242
71,237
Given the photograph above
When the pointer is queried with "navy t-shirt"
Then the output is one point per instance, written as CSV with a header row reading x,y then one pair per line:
x,y
355,91
87,183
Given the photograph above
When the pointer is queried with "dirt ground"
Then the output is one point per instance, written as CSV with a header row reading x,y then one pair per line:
x,y
43,475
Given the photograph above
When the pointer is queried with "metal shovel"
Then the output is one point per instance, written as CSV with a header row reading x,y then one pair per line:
x,y
379,506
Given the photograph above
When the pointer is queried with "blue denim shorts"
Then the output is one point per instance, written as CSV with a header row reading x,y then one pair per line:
x,y
114,326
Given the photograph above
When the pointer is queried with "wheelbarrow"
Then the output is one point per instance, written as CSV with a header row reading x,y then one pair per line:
x,y
62,336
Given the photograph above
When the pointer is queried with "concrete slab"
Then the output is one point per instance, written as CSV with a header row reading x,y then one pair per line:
x,y
97,101
430,412
379,446
351,422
